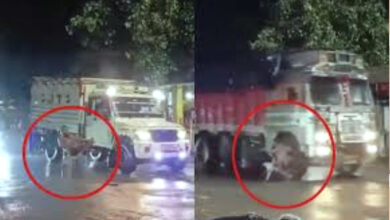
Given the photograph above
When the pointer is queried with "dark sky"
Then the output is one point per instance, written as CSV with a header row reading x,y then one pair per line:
x,y
223,31
33,41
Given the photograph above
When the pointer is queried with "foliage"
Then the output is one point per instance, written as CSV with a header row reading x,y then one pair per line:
x,y
153,34
356,25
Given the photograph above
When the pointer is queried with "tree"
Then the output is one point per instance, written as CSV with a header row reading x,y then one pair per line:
x,y
155,35
359,26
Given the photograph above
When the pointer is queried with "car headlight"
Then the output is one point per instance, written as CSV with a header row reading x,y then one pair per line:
x,y
321,136
181,134
143,135
369,135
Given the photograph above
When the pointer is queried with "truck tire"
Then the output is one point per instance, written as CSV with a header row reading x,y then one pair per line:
x,y
203,156
250,157
128,159
97,155
242,156
53,152
128,163
224,153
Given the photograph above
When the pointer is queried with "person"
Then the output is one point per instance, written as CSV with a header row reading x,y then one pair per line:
x,y
288,161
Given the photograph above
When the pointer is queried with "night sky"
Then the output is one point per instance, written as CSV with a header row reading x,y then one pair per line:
x,y
33,37
33,41
223,31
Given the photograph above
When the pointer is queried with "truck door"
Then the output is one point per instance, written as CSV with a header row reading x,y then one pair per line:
x,y
96,129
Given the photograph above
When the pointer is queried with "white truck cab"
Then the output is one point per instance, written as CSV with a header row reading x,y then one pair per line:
x,y
335,84
146,136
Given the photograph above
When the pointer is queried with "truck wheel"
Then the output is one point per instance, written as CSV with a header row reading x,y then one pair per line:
x,y
203,156
128,163
53,154
224,153
97,155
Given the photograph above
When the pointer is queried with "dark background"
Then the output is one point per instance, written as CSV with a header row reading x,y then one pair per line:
x,y
222,52
33,41
223,31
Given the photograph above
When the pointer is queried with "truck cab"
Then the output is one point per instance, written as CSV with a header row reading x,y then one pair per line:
x,y
335,84
136,115
138,118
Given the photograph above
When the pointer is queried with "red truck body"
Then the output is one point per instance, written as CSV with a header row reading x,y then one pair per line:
x,y
224,109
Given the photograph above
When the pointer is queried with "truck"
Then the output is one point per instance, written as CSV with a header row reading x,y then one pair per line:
x,y
334,83
145,135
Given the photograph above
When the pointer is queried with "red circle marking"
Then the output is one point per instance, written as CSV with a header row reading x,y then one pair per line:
x,y
80,196
237,134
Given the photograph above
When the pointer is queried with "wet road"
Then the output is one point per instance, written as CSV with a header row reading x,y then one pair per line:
x,y
151,193
360,198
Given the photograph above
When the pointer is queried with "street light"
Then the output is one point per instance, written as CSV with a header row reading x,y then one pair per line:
x,y
189,95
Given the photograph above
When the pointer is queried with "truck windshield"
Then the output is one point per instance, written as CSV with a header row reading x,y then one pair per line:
x,y
325,91
136,107
360,92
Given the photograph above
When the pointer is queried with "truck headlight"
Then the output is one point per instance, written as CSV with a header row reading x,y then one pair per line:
x,y
158,156
321,136
323,151
369,135
182,155
143,135
181,134
371,149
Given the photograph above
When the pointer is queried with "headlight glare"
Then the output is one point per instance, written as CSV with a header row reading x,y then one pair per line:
x,y
369,135
143,135
181,134
323,151
321,136
372,149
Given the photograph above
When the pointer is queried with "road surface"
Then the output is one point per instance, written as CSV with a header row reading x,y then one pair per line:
x,y
359,198
152,193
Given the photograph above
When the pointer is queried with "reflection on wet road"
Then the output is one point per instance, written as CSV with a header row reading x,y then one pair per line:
x,y
359,198
151,193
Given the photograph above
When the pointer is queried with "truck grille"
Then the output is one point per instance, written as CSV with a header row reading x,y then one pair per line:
x,y
351,131
350,127
164,135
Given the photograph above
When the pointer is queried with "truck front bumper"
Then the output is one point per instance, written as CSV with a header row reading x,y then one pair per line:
x,y
162,152
347,154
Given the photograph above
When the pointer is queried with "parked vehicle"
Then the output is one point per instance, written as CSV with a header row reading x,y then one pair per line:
x,y
131,108
334,83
